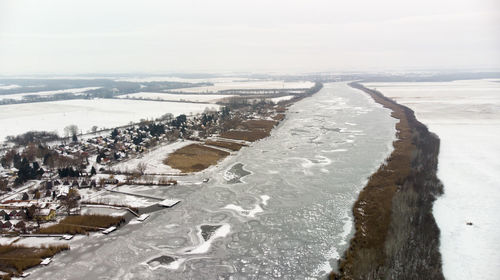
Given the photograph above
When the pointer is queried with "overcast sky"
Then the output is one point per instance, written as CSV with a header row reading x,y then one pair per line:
x,y
87,36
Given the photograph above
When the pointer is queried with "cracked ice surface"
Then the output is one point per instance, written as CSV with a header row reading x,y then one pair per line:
x,y
289,217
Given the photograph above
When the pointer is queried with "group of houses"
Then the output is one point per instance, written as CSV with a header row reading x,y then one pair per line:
x,y
25,215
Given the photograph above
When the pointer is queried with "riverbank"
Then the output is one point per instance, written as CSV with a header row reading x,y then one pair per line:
x,y
247,122
396,236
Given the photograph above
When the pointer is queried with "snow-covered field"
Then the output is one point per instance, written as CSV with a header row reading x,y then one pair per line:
x,y
54,116
247,85
12,86
466,117
153,160
207,98
225,79
20,96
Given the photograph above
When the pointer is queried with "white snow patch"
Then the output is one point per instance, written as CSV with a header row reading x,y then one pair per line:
x,y
265,198
223,231
9,87
243,212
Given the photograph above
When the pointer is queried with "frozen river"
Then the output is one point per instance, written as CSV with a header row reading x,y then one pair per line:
x,y
278,209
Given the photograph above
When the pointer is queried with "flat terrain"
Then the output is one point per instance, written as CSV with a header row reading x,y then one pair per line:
x,y
194,157
54,116
208,98
218,86
45,93
251,130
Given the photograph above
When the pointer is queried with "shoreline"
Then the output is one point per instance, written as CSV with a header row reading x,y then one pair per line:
x,y
396,236
243,131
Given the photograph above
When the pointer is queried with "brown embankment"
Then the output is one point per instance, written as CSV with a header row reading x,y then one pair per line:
x,y
396,236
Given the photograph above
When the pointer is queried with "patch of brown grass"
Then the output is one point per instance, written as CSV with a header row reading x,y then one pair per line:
x,y
259,124
246,135
82,224
16,258
253,130
194,157
225,144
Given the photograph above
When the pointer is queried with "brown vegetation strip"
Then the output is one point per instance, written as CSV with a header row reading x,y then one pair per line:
x,y
224,144
82,224
194,157
400,191
14,259
252,131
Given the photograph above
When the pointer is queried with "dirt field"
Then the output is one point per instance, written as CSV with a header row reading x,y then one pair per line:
x,y
194,157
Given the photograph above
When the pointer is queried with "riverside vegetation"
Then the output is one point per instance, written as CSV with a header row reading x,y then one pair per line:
x,y
396,236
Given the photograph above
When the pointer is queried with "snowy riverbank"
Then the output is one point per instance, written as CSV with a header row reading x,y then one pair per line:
x,y
466,117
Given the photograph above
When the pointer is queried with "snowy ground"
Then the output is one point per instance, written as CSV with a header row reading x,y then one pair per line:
x,y
248,85
104,113
208,98
225,79
11,86
20,96
121,199
153,160
466,117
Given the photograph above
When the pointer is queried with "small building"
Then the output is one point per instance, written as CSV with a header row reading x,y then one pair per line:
x,y
47,214
84,185
6,225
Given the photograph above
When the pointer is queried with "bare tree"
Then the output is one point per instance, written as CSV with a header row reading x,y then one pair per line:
x,y
141,167
71,130
71,200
